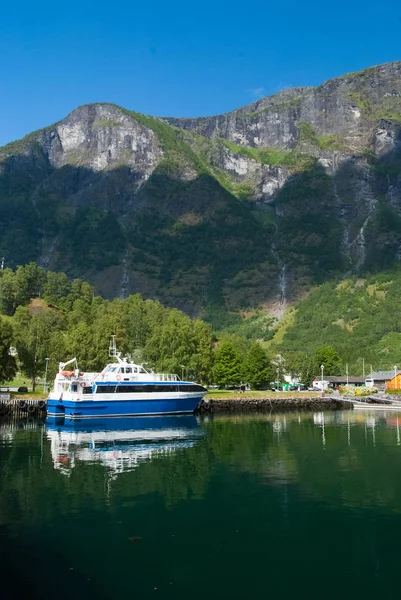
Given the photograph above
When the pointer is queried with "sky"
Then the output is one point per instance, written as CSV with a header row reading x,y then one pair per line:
x,y
178,58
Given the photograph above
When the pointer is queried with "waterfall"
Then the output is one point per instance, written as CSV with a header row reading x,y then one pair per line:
x,y
124,279
282,285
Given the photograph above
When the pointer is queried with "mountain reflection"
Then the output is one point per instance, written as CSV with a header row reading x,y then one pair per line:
x,y
347,458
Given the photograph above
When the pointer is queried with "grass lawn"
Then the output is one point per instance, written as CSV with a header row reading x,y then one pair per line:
x,y
21,380
255,395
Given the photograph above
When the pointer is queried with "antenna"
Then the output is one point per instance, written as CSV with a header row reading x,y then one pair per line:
x,y
2,259
113,347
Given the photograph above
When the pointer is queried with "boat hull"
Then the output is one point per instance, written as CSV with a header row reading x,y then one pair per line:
x,y
75,409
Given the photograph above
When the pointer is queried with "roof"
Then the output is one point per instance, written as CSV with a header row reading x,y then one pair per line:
x,y
338,379
381,375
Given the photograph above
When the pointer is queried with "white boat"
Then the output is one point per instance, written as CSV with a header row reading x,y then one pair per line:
x,y
122,389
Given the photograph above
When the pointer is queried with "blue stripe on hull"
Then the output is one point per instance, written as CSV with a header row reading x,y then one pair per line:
x,y
119,408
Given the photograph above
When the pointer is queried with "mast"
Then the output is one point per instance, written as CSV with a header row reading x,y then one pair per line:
x,y
113,350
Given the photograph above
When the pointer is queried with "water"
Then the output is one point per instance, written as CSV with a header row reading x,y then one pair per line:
x,y
278,506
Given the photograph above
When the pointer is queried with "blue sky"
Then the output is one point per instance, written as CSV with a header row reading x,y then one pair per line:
x,y
178,58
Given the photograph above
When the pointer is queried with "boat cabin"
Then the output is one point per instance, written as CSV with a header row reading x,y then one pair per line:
x,y
127,371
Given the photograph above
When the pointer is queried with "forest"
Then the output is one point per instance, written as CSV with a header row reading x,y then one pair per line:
x,y
46,315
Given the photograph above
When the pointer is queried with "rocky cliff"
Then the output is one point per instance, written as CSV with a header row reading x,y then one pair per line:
x,y
225,212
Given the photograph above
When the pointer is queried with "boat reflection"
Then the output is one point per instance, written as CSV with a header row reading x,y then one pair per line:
x,y
119,444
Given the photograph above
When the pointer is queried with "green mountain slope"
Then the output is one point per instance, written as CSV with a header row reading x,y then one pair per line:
x,y
237,212
358,317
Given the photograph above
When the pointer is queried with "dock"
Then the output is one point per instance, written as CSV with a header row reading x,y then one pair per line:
x,y
374,403
277,404
21,407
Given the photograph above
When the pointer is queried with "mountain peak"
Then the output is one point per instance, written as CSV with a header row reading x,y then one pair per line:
x,y
238,210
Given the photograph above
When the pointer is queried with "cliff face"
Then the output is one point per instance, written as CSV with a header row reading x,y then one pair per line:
x,y
231,211
347,106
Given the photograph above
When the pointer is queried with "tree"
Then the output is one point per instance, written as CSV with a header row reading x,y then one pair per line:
x,y
57,287
257,370
8,365
33,333
8,292
309,370
329,358
171,346
227,365
302,365
201,361
31,280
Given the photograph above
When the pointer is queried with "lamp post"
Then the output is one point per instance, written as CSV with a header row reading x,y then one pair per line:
x,y
45,380
346,371
182,372
278,379
322,370
395,376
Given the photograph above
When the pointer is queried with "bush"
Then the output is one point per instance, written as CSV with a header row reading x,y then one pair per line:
x,y
351,390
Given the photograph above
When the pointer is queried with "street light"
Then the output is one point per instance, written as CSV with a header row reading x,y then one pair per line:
x,y
182,372
45,381
395,376
346,370
322,370
278,378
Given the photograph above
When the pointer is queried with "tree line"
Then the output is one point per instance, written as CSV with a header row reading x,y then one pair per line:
x,y
46,315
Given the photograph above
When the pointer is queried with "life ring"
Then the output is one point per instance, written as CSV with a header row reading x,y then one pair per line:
x,y
21,404
31,408
82,384
41,404
118,377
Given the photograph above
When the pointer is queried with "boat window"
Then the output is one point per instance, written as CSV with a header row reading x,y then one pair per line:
x,y
135,389
128,369
87,390
112,369
74,387
141,370
191,388
166,388
105,389
130,389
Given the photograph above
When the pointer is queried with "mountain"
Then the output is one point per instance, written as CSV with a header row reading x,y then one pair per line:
x,y
355,316
214,214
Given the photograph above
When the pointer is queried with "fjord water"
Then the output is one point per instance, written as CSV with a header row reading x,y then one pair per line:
x,y
282,506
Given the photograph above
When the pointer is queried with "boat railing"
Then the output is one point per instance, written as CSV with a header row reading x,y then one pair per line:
x,y
165,377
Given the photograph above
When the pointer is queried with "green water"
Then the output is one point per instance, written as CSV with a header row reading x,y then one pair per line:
x,y
281,506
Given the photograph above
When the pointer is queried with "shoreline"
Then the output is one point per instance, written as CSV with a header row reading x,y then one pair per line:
x,y
238,404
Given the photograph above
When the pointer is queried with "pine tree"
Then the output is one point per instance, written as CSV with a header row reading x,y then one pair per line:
x,y
227,365
257,369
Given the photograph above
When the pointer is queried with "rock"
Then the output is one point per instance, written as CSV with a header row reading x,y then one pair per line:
x,y
272,405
